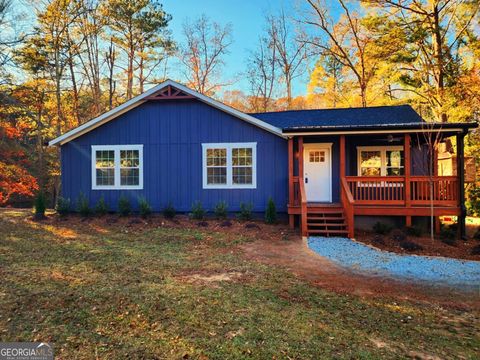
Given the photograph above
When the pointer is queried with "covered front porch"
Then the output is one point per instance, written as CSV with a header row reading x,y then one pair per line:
x,y
381,173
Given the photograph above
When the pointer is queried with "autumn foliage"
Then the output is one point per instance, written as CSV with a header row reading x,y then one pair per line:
x,y
15,178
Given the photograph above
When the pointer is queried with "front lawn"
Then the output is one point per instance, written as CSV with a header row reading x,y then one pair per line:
x,y
104,289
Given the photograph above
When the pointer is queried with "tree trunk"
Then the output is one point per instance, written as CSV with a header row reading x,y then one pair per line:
x,y
439,72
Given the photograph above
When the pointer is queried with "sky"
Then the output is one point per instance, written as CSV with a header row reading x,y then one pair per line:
x,y
247,18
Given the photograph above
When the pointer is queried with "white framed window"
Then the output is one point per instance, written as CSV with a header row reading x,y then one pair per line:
x,y
380,161
117,167
229,165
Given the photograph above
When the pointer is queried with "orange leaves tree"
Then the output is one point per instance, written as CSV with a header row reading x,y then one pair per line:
x,y
16,181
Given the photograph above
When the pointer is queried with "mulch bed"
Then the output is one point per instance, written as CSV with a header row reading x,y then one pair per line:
x,y
460,250
231,227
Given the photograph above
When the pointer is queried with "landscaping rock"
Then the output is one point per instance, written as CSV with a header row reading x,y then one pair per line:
x,y
410,246
251,226
202,224
378,239
226,223
398,235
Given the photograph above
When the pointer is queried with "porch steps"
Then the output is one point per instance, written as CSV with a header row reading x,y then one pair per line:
x,y
326,221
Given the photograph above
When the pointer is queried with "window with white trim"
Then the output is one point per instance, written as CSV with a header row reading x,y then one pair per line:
x,y
380,161
229,165
117,167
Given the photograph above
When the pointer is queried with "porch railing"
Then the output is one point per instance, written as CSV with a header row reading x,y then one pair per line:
x,y
390,190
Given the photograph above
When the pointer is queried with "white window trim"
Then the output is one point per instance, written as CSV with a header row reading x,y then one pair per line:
x,y
229,147
383,157
117,149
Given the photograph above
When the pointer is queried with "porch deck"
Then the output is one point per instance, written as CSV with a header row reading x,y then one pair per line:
x,y
404,195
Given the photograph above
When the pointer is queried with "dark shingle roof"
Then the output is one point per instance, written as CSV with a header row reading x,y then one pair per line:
x,y
345,117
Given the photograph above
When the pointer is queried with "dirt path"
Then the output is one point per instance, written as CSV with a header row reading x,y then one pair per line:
x,y
295,255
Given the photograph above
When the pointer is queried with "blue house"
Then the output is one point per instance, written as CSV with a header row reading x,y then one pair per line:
x,y
325,168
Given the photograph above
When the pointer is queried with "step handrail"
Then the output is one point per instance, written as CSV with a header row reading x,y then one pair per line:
x,y
303,202
348,203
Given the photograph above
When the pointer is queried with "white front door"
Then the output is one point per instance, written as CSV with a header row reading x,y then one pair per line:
x,y
318,172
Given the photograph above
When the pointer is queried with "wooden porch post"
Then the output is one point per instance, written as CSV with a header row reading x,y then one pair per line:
x,y
303,214
435,174
408,162
291,217
342,156
461,185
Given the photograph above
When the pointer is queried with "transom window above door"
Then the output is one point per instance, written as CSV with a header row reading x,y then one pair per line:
x,y
117,167
229,165
316,156
380,161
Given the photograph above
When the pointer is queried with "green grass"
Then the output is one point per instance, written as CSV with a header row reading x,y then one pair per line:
x,y
112,292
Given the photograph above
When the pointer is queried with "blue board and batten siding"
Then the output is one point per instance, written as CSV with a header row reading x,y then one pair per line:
x,y
172,133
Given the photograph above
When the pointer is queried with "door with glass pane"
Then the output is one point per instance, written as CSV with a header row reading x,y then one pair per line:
x,y
317,172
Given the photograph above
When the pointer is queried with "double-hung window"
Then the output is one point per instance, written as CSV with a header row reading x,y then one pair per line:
x,y
229,166
380,161
117,167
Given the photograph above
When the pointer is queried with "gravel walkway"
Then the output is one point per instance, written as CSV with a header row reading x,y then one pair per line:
x,y
360,257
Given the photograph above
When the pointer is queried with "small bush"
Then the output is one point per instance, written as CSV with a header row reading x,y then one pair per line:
x,y
381,228
448,234
473,201
64,206
40,205
475,250
271,212
82,205
410,246
101,208
413,231
476,236
124,206
144,208
245,213
169,211
398,235
449,241
198,212
221,210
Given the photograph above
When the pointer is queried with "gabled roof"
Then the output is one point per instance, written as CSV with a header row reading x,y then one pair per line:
x,y
402,115
142,98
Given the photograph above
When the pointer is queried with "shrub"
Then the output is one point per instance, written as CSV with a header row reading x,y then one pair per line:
x,y
473,202
169,211
271,212
448,234
413,231
221,210
101,208
476,236
381,228
245,213
475,250
82,205
198,212
410,246
124,207
40,205
63,206
144,207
